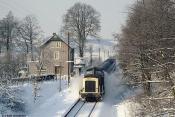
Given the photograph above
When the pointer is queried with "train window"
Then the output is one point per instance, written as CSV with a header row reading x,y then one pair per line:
x,y
98,72
90,72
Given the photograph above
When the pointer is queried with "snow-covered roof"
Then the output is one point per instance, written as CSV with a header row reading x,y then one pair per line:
x,y
54,37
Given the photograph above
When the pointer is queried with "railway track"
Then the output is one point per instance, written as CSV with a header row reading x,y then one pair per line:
x,y
80,109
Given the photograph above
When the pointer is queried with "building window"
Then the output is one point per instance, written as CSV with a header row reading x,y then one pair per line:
x,y
58,44
56,55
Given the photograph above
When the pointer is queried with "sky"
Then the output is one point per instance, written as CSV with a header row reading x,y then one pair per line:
x,y
50,13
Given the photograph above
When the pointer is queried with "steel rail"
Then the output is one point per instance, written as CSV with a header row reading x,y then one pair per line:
x,y
79,109
72,107
92,109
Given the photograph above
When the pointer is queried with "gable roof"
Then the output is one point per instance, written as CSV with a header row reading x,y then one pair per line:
x,y
55,37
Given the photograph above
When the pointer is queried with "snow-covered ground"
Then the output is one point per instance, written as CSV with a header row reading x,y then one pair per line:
x,y
117,101
128,108
52,103
114,93
49,101
58,103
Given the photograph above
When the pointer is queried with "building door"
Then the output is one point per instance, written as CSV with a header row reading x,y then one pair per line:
x,y
57,70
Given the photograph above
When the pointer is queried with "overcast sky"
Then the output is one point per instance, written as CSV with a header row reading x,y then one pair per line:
x,y
49,13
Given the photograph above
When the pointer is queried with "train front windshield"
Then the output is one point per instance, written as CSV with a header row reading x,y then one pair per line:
x,y
90,86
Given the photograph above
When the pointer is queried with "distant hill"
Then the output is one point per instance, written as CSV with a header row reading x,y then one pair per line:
x,y
104,44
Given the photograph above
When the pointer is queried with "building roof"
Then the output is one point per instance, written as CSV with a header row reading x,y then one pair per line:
x,y
55,37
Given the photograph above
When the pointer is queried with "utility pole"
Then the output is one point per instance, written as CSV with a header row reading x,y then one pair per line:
x,y
0,49
68,61
60,76
104,55
99,54
90,51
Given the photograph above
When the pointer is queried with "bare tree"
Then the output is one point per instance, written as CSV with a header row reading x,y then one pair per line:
x,y
82,20
8,33
30,32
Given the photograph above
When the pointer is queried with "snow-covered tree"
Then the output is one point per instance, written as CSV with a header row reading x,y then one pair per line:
x,y
9,96
146,51
8,33
30,34
9,64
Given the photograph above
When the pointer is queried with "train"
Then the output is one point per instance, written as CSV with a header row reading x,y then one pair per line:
x,y
93,86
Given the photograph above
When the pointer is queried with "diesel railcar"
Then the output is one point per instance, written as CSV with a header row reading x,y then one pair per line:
x,y
93,84
93,81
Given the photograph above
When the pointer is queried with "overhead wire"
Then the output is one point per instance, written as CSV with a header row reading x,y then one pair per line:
x,y
15,6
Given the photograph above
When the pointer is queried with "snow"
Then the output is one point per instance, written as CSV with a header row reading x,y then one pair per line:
x,y
55,106
49,101
113,94
114,104
75,109
123,97
4,109
58,103
117,101
128,109
84,112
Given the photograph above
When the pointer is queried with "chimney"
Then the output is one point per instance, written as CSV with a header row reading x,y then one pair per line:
x,y
54,34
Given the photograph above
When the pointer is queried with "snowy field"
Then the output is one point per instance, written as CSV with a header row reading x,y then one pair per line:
x,y
50,102
54,103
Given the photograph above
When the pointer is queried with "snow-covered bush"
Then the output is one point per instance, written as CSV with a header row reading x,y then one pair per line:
x,y
9,95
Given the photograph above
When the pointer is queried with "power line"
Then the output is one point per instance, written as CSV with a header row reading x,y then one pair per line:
x,y
14,7
8,6
21,6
